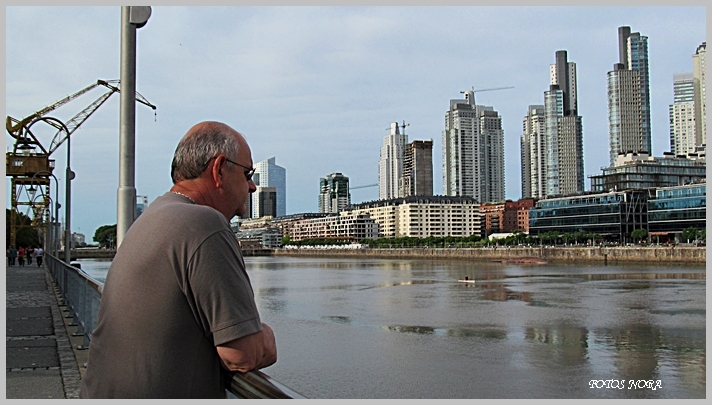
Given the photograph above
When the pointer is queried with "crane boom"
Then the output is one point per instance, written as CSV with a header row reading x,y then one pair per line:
x,y
364,186
14,126
494,88
83,115
28,167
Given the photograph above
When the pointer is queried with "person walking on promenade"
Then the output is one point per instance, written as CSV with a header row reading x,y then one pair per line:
x,y
178,309
21,256
39,254
29,254
12,254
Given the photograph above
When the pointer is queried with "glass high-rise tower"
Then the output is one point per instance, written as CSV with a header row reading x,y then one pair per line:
x,y
268,174
629,97
334,193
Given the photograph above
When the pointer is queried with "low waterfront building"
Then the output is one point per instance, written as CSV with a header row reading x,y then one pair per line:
x,y
255,222
506,216
673,209
287,222
423,216
642,171
345,225
266,236
613,215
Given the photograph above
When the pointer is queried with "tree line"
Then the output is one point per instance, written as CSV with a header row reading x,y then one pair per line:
x,y
516,238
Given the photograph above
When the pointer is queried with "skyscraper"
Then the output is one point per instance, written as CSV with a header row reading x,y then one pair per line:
x,y
461,149
492,158
533,150
699,67
265,202
473,151
417,176
564,130
390,165
552,137
629,97
682,115
268,174
334,193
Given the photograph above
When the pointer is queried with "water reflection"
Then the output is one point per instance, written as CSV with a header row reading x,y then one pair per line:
x,y
338,319
373,328
568,344
498,292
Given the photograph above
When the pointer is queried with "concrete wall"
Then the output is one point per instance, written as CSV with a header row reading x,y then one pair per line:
x,y
560,254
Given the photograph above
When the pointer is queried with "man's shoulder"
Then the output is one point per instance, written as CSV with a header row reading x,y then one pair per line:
x,y
170,208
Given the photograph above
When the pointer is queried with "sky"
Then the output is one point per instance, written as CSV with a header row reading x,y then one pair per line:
x,y
318,87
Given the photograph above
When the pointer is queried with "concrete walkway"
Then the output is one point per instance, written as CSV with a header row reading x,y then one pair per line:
x,y
41,361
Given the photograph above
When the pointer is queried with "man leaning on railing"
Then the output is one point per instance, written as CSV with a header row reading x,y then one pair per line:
x,y
177,310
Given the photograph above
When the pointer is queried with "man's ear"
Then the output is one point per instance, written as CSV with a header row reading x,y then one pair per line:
x,y
216,171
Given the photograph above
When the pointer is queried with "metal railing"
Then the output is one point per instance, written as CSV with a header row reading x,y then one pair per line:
x,y
82,295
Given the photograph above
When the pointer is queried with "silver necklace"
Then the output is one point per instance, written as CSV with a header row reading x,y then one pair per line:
x,y
179,193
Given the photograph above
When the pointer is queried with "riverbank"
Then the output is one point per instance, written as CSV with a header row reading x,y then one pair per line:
x,y
569,254
572,254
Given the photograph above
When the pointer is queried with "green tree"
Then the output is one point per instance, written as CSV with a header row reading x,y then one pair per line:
x,y
568,237
549,236
639,234
26,234
105,235
286,239
690,233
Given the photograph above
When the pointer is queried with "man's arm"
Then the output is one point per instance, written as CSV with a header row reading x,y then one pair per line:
x,y
251,352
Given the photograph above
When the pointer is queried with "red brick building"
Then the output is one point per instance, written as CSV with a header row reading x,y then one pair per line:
x,y
506,216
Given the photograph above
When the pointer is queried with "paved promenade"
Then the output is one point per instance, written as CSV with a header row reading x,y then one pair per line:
x,y
40,361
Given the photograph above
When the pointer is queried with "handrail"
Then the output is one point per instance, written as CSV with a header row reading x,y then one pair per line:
x,y
82,295
258,385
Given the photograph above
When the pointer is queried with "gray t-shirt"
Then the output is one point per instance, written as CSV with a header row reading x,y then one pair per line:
x,y
176,288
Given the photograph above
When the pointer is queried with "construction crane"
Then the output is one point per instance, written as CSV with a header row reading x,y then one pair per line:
x,y
402,127
28,166
471,93
364,186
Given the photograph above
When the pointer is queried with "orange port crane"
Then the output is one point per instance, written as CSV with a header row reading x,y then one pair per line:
x,y
29,164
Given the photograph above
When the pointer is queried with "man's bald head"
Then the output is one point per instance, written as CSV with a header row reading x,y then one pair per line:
x,y
201,143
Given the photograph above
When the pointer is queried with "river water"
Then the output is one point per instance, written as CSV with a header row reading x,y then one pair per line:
x,y
382,328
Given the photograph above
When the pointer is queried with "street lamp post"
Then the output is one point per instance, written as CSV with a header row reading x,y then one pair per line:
x,y
132,18
34,197
70,175
67,208
52,235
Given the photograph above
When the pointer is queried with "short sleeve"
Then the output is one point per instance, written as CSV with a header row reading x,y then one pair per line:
x,y
221,290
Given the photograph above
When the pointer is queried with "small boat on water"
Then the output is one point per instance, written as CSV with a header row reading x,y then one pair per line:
x,y
466,280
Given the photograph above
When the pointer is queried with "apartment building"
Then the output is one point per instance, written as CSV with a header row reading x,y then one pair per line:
x,y
345,225
423,216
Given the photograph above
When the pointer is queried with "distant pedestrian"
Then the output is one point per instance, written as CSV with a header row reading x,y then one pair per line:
x,y
39,253
29,254
21,256
12,254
